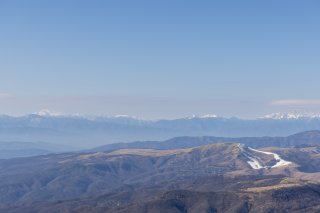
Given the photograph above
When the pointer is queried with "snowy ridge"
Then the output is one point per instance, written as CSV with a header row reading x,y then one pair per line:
x,y
291,115
202,116
295,115
255,161
47,113
208,116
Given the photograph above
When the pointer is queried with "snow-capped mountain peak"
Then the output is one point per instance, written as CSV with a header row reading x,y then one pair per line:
x,y
203,116
126,117
47,113
291,115
208,116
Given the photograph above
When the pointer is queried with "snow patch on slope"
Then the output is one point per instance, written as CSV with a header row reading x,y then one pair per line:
x,y
255,161
280,161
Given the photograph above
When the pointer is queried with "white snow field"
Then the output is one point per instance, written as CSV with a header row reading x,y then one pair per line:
x,y
255,161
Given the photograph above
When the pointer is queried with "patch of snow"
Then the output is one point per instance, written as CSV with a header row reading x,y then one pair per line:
x,y
280,161
46,112
254,161
203,116
208,116
125,116
291,115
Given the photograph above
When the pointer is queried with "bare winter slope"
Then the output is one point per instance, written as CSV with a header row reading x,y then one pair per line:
x,y
172,180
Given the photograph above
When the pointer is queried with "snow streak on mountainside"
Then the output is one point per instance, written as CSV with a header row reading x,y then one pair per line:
x,y
256,162
253,161
279,160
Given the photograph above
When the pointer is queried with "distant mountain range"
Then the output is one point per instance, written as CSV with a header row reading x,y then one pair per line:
x,y
26,149
87,132
303,139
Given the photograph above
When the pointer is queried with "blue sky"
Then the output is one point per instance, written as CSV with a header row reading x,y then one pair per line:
x,y
152,59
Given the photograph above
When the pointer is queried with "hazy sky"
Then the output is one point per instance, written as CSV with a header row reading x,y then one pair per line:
x,y
166,58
